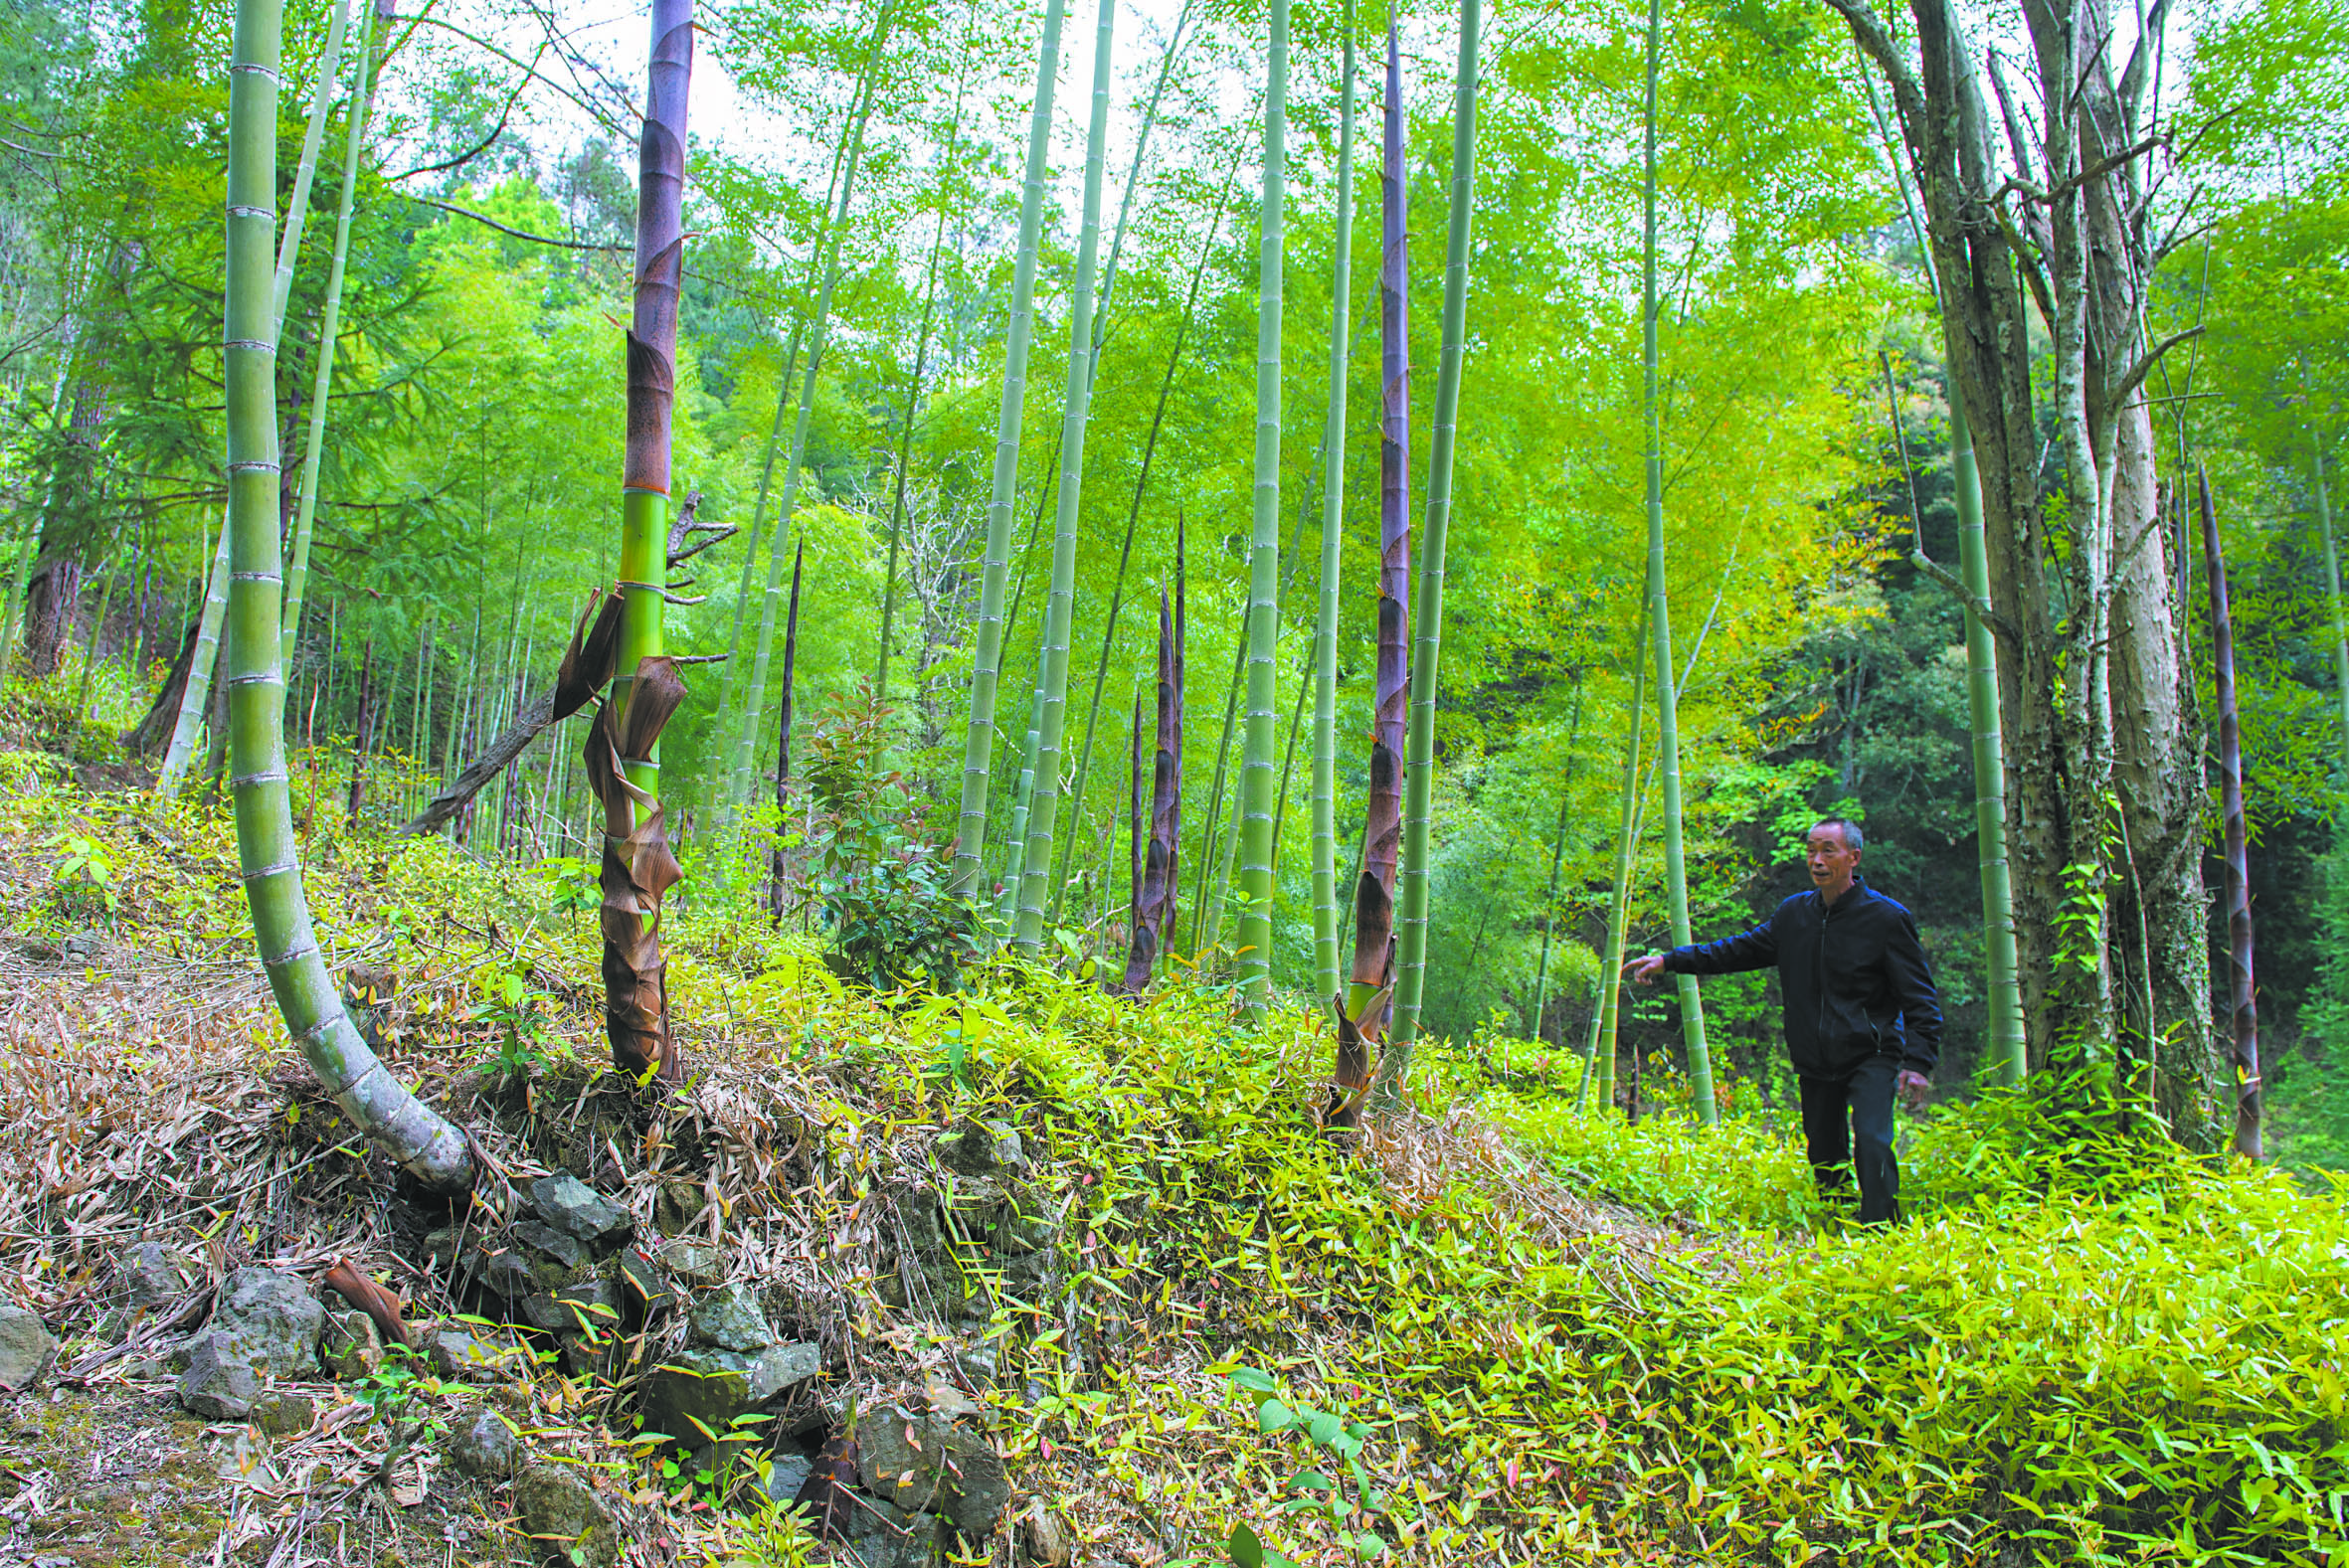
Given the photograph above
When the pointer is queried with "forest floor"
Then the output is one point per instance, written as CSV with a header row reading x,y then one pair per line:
x,y
1492,1333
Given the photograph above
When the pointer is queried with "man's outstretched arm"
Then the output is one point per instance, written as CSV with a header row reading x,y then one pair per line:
x,y
1749,950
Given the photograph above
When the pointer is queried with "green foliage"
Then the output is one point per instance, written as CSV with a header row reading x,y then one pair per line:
x,y
1351,1501
877,887
511,999
82,884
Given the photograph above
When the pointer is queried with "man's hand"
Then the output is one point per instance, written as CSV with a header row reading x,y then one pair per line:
x,y
1912,1087
1647,970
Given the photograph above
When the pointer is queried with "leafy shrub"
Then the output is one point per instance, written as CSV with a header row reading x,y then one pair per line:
x,y
877,887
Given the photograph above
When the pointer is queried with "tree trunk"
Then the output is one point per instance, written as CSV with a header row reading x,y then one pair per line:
x,y
2092,684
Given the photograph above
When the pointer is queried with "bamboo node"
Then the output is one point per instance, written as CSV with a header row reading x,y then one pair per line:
x,y
255,679
273,775
260,872
255,576
304,946
257,345
255,465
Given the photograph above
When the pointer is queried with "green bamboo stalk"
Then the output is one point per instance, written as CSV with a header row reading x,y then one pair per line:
x,y
1109,279
754,696
1325,641
18,575
2332,577
1427,639
987,661
1060,608
297,208
1676,879
1280,810
1558,861
182,747
1023,793
431,1150
1264,553
329,319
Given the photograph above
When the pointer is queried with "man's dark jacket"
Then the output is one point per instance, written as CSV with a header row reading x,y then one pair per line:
x,y
1853,975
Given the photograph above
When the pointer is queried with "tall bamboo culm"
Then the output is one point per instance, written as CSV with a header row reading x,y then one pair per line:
x,y
987,656
1060,608
1428,625
1676,879
269,854
1324,635
1264,551
2332,577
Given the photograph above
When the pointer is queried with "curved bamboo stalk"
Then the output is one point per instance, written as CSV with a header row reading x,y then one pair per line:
x,y
1676,879
1060,608
2244,1012
1264,551
986,661
755,695
1427,629
1325,639
329,320
268,855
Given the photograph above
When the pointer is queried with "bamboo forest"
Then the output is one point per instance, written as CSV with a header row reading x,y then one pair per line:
x,y
1164,784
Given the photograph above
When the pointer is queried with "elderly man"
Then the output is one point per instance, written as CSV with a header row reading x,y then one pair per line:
x,y
1863,1021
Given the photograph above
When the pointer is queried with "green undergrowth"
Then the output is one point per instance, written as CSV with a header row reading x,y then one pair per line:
x,y
2085,1346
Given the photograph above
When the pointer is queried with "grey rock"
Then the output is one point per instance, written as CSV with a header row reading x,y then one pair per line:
x,y
954,1469
1042,1538
729,1318
508,1275
882,1535
643,1282
564,1517
559,1247
272,1320
27,1348
678,1205
695,1264
980,1362
572,1207
151,1273
219,1384
712,1387
456,1354
785,1474
350,1345
593,1301
479,1443
279,1413
983,1148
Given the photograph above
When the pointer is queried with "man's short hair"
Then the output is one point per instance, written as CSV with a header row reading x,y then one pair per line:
x,y
1849,829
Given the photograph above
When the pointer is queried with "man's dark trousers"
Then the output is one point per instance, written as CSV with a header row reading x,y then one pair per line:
x,y
1839,1111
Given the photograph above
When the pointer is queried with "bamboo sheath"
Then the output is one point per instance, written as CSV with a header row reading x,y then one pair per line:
x,y
414,1136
